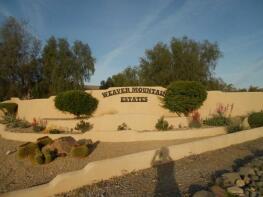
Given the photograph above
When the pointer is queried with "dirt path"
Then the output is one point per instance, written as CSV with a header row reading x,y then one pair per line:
x,y
179,178
17,174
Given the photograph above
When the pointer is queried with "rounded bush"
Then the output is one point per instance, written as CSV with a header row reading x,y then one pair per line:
x,y
76,102
10,108
184,96
255,119
79,151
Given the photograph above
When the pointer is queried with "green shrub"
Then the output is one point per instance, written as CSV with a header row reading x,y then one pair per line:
x,y
11,108
38,157
234,125
43,141
122,127
184,96
55,131
26,150
79,151
163,125
49,155
76,102
216,121
255,119
83,126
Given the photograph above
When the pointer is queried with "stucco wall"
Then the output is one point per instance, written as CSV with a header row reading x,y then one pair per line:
x,y
105,169
137,115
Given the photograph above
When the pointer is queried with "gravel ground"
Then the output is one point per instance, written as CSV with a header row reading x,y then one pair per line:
x,y
17,174
179,178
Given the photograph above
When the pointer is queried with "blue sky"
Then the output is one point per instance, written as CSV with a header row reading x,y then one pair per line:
x,y
119,31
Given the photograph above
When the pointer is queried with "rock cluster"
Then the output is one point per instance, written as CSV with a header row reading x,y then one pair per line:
x,y
247,181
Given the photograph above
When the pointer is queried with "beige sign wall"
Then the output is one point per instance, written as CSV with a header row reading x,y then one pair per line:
x,y
138,108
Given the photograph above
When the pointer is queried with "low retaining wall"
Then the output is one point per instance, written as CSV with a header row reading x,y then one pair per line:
x,y
105,169
120,136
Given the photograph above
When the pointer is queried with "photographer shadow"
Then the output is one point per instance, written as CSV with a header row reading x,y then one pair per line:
x,y
166,184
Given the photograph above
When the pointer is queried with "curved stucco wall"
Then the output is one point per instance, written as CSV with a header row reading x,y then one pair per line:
x,y
122,136
105,169
137,115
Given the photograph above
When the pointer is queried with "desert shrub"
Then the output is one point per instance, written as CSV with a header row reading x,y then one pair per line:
x,y
184,96
39,125
195,121
83,126
217,121
234,125
49,155
123,126
55,131
255,119
38,157
163,125
79,151
10,108
43,141
27,149
76,102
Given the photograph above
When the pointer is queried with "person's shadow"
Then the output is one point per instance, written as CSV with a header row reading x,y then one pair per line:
x,y
166,184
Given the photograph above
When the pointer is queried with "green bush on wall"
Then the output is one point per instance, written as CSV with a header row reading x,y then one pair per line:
x,y
256,119
76,102
184,96
10,108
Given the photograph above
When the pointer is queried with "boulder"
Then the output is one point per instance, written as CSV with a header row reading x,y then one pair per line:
x,y
229,179
235,190
218,191
245,171
62,145
240,183
203,193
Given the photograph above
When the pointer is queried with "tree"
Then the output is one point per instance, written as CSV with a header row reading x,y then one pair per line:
x,y
66,67
19,59
182,59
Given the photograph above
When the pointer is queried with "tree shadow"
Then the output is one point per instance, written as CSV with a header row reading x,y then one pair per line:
x,y
166,184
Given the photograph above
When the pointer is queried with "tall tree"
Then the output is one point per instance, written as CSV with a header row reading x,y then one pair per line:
x,y
19,59
66,67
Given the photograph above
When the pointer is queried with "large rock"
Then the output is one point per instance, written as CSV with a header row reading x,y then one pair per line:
x,y
62,145
246,171
203,193
235,190
229,179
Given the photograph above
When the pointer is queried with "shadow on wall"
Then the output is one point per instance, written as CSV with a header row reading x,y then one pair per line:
x,y
166,184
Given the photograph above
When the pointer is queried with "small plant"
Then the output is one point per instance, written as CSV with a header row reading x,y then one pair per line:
x,y
43,141
79,151
123,126
163,125
38,157
49,155
234,125
83,126
39,125
55,131
26,150
255,119
195,120
216,121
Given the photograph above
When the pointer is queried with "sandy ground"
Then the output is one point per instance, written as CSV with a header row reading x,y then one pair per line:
x,y
17,174
180,178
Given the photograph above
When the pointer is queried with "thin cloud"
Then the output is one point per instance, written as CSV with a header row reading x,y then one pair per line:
x,y
133,38
4,12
